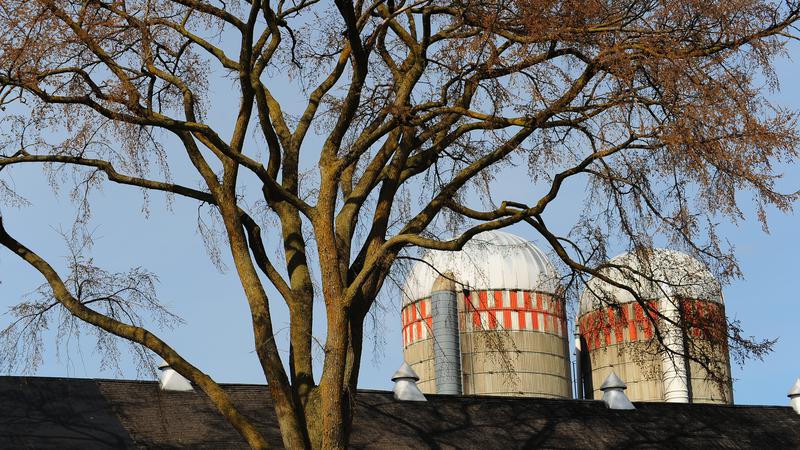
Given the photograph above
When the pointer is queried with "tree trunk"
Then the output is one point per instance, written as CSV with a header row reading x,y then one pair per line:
x,y
335,395
286,407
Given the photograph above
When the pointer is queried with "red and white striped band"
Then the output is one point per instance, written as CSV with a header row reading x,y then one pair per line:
x,y
490,310
611,326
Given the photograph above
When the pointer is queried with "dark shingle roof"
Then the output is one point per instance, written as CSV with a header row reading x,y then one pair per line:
x,y
89,414
56,413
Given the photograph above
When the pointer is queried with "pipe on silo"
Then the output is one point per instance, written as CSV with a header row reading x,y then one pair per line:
x,y
446,349
673,363
578,368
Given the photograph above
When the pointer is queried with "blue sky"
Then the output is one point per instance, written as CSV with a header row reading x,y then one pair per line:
x,y
216,336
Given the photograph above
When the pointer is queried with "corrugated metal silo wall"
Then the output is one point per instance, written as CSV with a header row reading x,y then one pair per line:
x,y
512,343
625,342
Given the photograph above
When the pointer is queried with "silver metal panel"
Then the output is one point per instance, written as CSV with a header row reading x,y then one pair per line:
x,y
446,349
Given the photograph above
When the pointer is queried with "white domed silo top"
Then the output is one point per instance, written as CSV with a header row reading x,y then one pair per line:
x,y
665,273
490,260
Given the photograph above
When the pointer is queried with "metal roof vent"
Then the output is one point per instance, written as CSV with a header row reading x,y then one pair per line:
x,y
170,380
405,385
794,396
614,393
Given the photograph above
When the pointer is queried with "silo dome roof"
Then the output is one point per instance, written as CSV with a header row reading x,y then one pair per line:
x,y
665,273
490,260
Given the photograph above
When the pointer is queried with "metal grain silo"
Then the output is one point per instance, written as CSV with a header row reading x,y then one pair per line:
x,y
487,320
684,301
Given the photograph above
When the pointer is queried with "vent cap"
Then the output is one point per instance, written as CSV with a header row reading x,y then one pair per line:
x,y
794,396
614,393
405,385
170,380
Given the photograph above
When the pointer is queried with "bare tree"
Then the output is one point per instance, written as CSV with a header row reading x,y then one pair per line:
x,y
656,105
